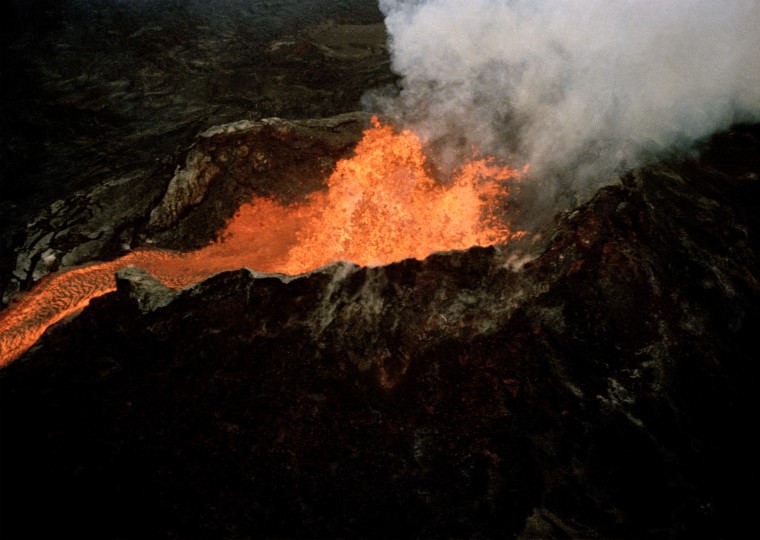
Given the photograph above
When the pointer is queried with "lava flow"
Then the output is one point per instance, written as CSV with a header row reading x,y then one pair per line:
x,y
380,206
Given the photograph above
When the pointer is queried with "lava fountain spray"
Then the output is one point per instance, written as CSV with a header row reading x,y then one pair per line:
x,y
380,206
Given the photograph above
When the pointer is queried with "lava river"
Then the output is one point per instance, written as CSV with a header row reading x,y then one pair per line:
x,y
380,206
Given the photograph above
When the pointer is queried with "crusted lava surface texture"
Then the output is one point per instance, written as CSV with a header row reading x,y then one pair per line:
x,y
606,388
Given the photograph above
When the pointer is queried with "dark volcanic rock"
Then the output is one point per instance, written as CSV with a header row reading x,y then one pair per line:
x,y
229,164
95,89
225,167
101,99
603,389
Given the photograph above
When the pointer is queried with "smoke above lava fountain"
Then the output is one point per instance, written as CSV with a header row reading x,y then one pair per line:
x,y
581,90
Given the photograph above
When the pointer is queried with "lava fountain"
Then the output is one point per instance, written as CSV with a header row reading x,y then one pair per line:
x,y
380,206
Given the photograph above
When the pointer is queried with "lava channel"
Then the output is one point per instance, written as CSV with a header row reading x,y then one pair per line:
x,y
380,206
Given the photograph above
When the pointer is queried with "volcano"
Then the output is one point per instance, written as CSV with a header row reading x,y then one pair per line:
x,y
205,368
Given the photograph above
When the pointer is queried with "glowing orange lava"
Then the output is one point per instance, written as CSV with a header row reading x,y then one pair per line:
x,y
380,206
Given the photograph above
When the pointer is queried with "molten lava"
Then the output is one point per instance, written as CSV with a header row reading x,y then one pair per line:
x,y
380,206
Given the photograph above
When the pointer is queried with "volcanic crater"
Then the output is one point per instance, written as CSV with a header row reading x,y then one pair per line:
x,y
588,377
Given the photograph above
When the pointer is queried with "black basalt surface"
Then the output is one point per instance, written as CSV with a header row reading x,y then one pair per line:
x,y
100,101
605,388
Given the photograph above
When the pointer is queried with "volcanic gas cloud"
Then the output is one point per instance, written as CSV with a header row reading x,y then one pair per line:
x,y
580,89
380,206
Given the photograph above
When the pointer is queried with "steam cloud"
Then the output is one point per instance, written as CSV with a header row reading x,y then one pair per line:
x,y
580,89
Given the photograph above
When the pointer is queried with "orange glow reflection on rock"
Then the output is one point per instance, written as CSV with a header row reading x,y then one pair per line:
x,y
380,206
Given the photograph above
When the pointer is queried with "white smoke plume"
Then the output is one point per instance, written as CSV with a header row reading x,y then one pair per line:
x,y
579,88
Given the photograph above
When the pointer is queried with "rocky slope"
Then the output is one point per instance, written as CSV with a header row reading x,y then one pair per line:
x,y
603,387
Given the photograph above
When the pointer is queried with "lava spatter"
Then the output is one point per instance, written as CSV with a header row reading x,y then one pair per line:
x,y
380,206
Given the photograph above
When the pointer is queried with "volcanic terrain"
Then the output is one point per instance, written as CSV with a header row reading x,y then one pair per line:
x,y
201,366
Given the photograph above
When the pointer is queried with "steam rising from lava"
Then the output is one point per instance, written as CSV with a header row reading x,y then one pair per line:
x,y
579,89
380,206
